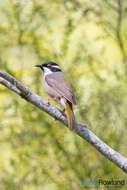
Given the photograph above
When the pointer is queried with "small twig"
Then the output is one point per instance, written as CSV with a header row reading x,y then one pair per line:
x,y
11,83
118,30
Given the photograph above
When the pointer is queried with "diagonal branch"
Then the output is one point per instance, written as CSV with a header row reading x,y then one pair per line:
x,y
11,83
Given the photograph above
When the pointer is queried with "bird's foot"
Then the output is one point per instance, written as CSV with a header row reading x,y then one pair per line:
x,y
62,111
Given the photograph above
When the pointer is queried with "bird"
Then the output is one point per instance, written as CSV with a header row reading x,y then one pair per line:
x,y
59,89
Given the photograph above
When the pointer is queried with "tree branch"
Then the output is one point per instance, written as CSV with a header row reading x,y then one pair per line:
x,y
11,83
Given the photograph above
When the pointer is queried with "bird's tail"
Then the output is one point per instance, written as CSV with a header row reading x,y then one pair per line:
x,y
70,116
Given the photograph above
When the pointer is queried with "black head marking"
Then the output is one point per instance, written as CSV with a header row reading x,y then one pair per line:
x,y
51,65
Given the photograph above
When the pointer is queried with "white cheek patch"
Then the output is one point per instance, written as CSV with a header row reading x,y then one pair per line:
x,y
63,102
47,71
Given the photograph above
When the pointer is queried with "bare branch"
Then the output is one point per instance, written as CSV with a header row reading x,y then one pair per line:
x,y
11,83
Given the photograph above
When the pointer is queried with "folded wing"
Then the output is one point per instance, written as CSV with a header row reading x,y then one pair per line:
x,y
57,82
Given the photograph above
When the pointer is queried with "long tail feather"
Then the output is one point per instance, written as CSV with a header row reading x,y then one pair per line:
x,y
70,116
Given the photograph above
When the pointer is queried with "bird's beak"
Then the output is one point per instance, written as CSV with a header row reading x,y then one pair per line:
x,y
37,66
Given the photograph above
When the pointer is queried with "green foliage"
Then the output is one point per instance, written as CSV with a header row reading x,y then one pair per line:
x,y
88,40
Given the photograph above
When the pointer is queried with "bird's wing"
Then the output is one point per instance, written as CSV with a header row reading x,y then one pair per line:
x,y
57,82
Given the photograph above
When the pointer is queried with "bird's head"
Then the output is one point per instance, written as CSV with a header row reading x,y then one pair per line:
x,y
49,67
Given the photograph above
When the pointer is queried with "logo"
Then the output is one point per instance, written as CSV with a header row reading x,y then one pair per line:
x,y
104,182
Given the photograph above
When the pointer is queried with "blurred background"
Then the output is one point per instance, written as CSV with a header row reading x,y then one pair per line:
x,y
88,39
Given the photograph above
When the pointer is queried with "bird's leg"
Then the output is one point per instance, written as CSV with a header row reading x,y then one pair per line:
x,y
63,110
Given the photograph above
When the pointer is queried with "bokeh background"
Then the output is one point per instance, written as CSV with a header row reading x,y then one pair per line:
x,y
88,39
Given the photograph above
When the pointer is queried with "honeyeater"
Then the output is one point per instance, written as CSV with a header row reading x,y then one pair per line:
x,y
59,89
